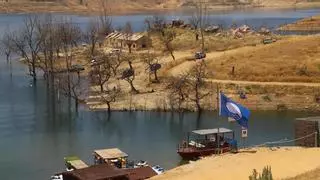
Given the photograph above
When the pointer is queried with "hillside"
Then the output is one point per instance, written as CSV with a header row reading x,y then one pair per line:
x,y
308,24
242,164
136,6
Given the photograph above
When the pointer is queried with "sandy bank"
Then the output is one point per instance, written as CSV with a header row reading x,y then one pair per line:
x,y
285,162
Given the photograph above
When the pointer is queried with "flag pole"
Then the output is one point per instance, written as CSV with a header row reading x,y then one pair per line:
x,y
218,113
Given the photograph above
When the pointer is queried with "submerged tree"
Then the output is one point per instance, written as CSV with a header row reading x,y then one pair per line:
x,y
73,87
6,45
178,90
26,43
196,84
110,97
101,71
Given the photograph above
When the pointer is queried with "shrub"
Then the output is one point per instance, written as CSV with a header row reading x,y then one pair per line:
x,y
266,174
266,98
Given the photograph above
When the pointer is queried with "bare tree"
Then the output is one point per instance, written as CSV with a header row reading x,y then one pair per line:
x,y
156,24
47,32
69,35
101,71
129,74
110,97
91,36
26,43
168,36
196,84
128,34
78,88
152,63
6,45
194,21
116,60
178,87
105,19
199,20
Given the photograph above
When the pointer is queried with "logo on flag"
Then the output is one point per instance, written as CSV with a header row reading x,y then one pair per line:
x,y
229,108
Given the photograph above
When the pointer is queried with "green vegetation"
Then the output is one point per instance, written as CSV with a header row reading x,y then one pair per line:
x,y
266,174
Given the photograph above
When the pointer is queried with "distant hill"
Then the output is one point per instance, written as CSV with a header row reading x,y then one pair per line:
x,y
125,6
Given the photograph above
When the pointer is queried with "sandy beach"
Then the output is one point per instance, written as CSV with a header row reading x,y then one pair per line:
x,y
285,162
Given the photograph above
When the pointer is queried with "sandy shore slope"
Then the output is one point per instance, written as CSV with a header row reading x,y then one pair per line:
x,y
285,162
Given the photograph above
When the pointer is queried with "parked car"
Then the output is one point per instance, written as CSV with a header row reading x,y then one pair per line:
x,y
76,68
200,55
115,51
268,41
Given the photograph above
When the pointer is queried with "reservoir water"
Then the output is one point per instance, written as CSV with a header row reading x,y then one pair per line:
x,y
36,133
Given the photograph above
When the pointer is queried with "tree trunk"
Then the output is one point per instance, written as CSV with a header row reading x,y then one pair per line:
x,y
77,104
133,89
129,46
155,76
202,40
109,107
34,74
197,98
101,88
8,57
93,47
197,36
171,53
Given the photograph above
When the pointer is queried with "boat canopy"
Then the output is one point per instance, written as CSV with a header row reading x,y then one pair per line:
x,y
109,154
212,131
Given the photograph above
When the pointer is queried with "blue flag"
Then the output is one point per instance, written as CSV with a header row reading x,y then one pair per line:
x,y
229,108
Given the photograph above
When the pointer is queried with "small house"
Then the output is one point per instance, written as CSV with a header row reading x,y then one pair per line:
x,y
135,41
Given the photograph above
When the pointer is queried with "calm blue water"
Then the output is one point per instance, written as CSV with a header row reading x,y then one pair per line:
x,y
254,18
37,132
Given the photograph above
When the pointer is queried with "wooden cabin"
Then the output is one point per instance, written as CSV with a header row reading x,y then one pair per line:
x,y
137,41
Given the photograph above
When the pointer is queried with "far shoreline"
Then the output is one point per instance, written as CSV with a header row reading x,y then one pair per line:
x,y
180,10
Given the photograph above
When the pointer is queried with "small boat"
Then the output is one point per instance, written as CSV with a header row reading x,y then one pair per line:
x,y
56,177
141,163
207,142
158,169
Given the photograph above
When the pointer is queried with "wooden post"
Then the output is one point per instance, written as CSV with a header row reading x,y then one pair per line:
x,y
218,113
316,139
218,92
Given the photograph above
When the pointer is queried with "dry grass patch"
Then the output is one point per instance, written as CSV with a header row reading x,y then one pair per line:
x,y
311,175
295,59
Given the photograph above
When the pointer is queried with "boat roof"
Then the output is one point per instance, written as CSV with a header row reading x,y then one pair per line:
x,y
75,162
212,131
314,118
112,153
78,164
102,171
